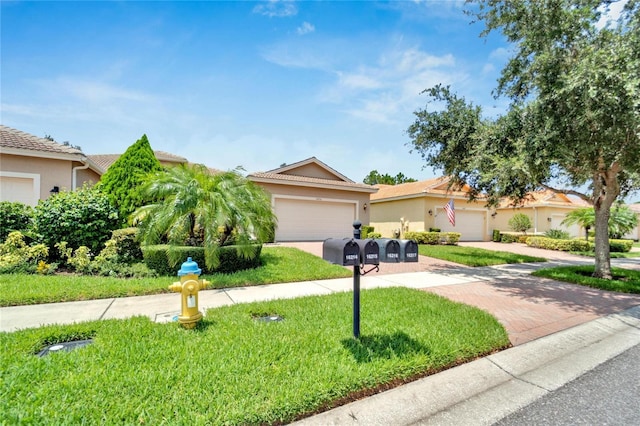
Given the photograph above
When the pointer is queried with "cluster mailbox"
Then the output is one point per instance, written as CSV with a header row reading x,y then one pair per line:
x,y
348,251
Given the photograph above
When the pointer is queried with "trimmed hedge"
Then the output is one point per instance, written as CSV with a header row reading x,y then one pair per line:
x,y
365,231
155,257
561,245
615,246
433,238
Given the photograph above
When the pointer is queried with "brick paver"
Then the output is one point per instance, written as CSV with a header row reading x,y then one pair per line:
x,y
527,306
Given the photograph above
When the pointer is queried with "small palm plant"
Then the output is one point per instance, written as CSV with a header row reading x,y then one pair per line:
x,y
621,220
197,207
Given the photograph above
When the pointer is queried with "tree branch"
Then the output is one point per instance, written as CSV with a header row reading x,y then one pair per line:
x,y
569,192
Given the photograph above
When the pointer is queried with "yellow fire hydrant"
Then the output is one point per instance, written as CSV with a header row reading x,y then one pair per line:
x,y
189,286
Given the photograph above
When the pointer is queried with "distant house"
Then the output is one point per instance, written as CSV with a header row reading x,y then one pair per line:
x,y
635,232
546,209
33,168
313,202
420,206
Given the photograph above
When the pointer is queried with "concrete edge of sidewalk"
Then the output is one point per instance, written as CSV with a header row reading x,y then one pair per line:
x,y
486,390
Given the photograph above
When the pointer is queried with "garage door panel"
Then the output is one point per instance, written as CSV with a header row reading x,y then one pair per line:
x,y
18,189
310,220
470,224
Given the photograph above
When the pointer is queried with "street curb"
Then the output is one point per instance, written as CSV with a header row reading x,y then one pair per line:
x,y
486,390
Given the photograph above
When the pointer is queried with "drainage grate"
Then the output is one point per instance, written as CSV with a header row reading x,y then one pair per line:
x,y
268,318
64,346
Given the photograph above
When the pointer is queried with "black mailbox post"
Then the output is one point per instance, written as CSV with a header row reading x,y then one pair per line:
x,y
369,252
408,251
341,251
356,252
389,250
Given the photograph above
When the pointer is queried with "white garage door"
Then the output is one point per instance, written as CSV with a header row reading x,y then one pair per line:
x,y
18,189
309,220
470,224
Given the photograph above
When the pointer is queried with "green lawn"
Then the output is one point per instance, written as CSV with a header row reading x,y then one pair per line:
x,y
281,264
472,256
624,280
233,369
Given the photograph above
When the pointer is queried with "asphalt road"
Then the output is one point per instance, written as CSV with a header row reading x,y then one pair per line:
x,y
606,395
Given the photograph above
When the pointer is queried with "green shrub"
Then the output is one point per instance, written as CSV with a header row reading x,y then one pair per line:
x,y
520,222
495,236
365,230
156,257
450,238
434,229
127,246
620,246
509,238
81,218
122,183
562,245
16,256
557,234
433,238
374,235
14,217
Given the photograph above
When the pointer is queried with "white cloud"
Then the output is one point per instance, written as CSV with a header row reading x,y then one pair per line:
x,y
610,13
276,8
305,28
501,53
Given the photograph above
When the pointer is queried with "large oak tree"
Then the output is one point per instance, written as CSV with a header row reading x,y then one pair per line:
x,y
574,117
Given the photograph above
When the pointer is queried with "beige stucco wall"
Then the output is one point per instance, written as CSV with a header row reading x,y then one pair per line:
x,y
52,172
86,176
322,194
386,216
311,170
543,218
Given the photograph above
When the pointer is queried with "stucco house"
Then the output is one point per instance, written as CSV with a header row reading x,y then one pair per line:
x,y
32,168
419,206
313,202
546,209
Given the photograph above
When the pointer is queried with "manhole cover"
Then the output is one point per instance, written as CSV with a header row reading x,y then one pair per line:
x,y
65,346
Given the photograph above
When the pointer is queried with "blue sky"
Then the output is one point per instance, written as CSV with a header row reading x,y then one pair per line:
x,y
252,84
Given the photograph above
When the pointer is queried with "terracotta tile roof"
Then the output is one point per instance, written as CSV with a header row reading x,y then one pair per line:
x,y
436,186
546,197
309,181
168,157
634,207
12,138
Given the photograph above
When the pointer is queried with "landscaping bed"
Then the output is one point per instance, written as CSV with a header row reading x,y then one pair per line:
x,y
234,368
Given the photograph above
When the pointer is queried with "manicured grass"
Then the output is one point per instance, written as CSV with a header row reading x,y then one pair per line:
x,y
624,280
233,369
472,256
280,264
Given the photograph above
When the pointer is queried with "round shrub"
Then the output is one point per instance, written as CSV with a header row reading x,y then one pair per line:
x,y
83,217
156,257
14,217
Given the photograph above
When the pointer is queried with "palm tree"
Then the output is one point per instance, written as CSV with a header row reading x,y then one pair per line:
x,y
585,217
621,221
196,207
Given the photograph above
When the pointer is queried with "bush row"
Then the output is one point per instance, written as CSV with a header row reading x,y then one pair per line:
x,y
433,238
615,246
156,257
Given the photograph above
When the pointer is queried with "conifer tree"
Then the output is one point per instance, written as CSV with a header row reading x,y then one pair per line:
x,y
123,181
